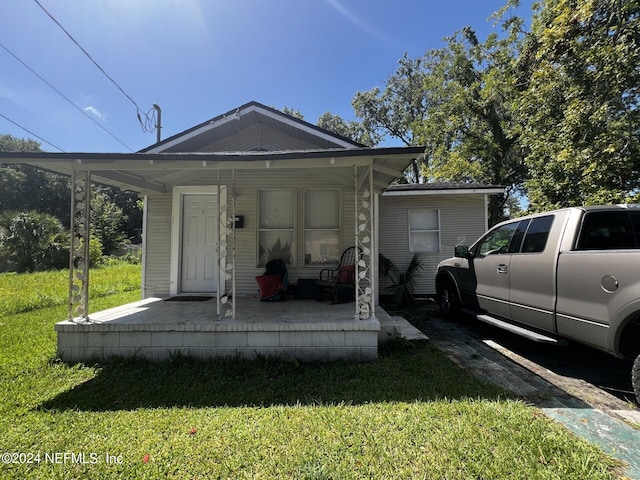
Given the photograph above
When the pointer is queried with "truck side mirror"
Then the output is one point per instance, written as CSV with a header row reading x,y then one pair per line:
x,y
461,251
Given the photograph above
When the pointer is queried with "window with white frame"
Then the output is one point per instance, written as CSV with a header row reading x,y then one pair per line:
x,y
321,227
276,226
424,230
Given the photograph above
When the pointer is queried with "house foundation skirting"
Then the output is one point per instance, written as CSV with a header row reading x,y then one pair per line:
x,y
326,341
156,330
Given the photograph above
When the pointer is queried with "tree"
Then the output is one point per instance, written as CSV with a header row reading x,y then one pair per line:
x,y
9,143
106,222
395,111
581,116
34,241
26,188
351,129
292,112
470,129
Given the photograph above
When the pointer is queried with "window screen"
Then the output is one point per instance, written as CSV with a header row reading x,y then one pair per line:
x,y
321,227
424,230
276,223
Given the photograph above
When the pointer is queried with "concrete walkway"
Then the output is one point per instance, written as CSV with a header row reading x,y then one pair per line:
x,y
588,412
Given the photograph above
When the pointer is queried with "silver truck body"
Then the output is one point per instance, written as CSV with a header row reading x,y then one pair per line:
x,y
567,274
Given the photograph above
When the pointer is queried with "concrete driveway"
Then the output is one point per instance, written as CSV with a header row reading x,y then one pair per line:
x,y
585,390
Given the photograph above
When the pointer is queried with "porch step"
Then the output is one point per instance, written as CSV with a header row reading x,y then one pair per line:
x,y
396,326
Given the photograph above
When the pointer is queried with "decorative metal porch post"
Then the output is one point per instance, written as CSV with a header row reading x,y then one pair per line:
x,y
226,246
79,246
364,243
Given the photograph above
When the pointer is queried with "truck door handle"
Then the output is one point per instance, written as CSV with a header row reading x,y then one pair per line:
x,y
503,268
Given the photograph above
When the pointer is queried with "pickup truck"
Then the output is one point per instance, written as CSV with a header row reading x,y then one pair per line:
x,y
570,274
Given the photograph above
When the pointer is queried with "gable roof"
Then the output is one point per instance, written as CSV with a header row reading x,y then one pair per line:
x,y
252,127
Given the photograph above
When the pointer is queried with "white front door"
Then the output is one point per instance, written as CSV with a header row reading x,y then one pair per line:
x,y
199,244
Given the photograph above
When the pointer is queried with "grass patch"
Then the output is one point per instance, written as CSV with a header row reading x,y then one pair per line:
x,y
24,292
411,414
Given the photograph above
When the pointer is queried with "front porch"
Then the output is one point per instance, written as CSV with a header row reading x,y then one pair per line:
x,y
156,329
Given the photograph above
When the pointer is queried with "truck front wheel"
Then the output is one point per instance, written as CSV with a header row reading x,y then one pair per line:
x,y
448,301
635,377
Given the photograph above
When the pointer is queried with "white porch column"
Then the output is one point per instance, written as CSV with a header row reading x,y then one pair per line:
x,y
79,246
363,182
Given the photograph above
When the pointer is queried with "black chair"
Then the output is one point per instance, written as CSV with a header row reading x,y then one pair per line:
x,y
338,285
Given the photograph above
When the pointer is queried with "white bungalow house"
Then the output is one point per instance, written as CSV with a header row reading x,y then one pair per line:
x,y
221,199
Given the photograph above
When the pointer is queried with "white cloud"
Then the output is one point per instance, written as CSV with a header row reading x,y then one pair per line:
x,y
94,111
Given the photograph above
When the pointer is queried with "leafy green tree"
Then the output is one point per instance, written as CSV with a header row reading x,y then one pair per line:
x,y
132,209
396,110
581,116
106,222
351,129
293,112
34,241
24,187
470,129
9,143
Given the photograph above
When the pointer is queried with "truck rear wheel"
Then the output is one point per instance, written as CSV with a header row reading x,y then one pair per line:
x,y
448,301
635,377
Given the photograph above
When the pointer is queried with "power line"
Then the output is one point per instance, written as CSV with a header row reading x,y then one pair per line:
x,y
144,125
63,96
31,133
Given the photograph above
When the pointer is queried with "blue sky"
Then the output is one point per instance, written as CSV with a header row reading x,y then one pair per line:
x,y
197,59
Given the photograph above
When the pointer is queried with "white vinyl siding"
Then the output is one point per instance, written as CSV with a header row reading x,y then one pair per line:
x,y
157,239
462,221
424,230
248,184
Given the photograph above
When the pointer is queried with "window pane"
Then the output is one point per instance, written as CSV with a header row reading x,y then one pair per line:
x,y
321,246
424,242
276,209
497,241
537,235
321,209
606,230
275,244
516,240
423,220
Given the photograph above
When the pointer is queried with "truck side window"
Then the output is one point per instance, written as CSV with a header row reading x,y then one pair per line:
x,y
497,241
635,221
536,237
606,231
516,241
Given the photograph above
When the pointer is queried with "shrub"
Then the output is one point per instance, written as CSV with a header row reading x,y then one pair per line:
x,y
33,241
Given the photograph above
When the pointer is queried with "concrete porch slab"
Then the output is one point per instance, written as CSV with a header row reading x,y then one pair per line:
x,y
155,329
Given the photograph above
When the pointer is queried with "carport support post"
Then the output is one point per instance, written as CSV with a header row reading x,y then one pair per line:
x,y
79,245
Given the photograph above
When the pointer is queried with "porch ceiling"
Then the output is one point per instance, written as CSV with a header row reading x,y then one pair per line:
x,y
150,173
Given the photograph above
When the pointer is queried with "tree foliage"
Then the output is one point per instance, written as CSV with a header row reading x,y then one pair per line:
x,y
580,113
351,129
395,111
106,222
33,241
470,130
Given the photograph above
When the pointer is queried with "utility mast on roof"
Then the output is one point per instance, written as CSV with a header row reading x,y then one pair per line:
x,y
158,122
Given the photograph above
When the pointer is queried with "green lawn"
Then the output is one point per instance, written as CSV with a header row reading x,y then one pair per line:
x,y
412,414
